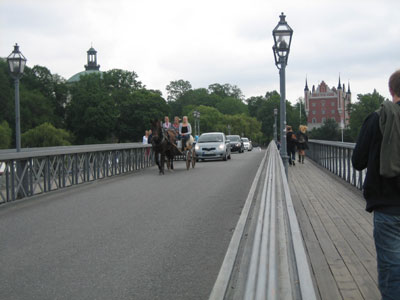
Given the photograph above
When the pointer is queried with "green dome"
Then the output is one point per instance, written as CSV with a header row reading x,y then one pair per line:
x,y
77,76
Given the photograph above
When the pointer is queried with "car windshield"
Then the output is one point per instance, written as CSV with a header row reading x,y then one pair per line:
x,y
234,138
210,138
245,140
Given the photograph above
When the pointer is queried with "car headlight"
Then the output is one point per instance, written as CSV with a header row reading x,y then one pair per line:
x,y
197,147
221,147
237,145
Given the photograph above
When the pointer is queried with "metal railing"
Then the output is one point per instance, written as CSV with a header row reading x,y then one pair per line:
x,y
41,170
336,157
278,267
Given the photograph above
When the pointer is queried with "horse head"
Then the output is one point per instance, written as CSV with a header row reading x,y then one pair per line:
x,y
156,129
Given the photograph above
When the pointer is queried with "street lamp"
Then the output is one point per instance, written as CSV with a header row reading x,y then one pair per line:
x,y
282,34
16,64
275,117
196,115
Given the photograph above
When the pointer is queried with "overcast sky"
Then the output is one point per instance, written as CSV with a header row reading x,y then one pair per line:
x,y
211,41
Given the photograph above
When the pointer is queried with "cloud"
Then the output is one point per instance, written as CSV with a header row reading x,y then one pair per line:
x,y
210,41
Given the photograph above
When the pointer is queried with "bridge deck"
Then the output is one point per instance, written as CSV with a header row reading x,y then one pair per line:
x,y
337,231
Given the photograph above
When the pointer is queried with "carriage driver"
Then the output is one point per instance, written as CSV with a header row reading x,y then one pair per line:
x,y
185,130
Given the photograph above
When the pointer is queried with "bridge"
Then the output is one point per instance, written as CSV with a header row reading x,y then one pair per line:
x,y
98,222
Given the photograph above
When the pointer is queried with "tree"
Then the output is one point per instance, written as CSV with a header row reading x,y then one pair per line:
x,y
177,88
46,135
263,109
137,111
5,135
366,104
92,114
225,90
232,106
328,132
117,79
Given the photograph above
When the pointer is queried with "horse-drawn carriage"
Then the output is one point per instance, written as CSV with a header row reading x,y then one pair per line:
x,y
165,144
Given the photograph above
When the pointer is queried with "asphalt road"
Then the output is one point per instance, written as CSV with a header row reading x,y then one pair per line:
x,y
136,236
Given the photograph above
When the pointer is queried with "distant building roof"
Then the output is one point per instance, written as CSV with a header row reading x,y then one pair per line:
x,y
91,67
77,76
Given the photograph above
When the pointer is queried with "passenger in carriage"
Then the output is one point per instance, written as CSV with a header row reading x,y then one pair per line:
x,y
175,125
167,124
185,130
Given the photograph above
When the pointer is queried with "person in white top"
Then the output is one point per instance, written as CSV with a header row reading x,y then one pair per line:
x,y
145,137
167,124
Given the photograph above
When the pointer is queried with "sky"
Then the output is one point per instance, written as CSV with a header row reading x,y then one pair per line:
x,y
211,41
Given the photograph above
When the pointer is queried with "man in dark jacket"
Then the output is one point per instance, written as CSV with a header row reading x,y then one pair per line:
x,y
377,149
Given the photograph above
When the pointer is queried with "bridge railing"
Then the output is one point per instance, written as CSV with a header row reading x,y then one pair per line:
x,y
40,170
277,266
336,157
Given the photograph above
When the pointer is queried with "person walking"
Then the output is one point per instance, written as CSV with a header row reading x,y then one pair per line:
x,y
378,150
291,145
302,142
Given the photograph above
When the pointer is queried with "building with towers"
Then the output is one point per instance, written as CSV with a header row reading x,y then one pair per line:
x,y
323,103
90,67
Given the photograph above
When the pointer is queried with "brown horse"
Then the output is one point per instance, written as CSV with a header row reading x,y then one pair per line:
x,y
163,143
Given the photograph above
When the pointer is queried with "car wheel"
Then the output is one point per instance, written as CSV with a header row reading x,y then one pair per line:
x,y
224,158
229,157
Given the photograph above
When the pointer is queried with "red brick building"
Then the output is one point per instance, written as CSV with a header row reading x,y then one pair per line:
x,y
323,103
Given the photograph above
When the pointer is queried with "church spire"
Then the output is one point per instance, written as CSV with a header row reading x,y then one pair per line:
x,y
306,88
339,85
348,88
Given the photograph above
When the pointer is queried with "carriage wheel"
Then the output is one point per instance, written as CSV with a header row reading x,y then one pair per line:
x,y
193,158
188,158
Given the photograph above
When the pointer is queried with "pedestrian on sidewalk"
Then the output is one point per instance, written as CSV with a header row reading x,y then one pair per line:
x,y
378,150
291,145
302,142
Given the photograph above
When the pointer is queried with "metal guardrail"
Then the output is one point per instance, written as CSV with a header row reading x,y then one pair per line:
x,y
40,170
336,157
278,267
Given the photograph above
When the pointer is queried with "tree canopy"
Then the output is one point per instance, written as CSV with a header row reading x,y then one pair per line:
x,y
117,107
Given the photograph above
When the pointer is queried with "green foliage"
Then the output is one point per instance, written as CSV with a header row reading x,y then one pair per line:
x,y
262,108
232,106
92,113
177,88
225,90
5,135
366,104
328,132
136,113
46,135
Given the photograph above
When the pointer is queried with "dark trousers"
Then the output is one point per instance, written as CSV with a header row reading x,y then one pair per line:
x,y
291,151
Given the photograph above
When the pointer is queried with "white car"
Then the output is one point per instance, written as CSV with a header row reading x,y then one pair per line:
x,y
247,144
213,145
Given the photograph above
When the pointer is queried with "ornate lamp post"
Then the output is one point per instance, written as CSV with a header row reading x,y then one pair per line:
x,y
275,133
282,34
16,64
196,115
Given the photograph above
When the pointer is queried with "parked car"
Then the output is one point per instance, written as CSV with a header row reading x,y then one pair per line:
x,y
212,145
236,143
247,144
